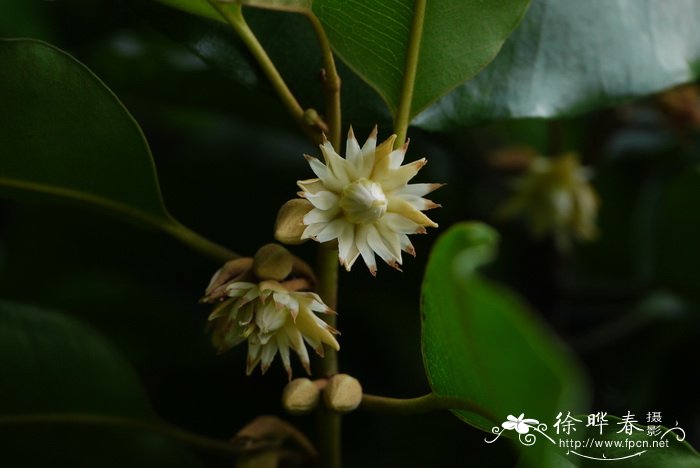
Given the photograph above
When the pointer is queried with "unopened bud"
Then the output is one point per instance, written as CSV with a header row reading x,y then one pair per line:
x,y
234,270
289,225
343,393
300,396
272,262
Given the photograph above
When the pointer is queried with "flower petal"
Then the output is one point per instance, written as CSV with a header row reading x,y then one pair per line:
x,y
323,200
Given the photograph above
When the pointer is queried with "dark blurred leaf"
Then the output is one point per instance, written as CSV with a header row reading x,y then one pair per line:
x,y
51,363
196,7
459,38
679,230
482,345
570,56
290,42
678,453
63,133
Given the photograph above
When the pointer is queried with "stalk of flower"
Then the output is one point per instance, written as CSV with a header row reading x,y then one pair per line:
x,y
365,201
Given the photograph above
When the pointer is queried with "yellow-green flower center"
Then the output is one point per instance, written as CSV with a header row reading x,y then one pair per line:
x,y
363,201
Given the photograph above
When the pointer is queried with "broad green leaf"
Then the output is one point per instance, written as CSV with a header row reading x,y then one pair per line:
x,y
459,38
570,56
300,6
482,345
65,135
51,363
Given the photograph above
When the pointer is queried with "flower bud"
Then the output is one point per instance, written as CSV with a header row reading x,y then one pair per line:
x,y
289,225
272,262
300,396
234,270
343,393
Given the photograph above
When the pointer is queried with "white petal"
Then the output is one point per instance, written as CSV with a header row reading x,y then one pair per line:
x,y
396,178
312,229
347,252
352,148
365,163
311,185
396,158
391,240
401,224
283,345
323,200
268,354
379,246
325,174
335,163
269,318
417,189
332,230
296,342
419,203
364,248
320,216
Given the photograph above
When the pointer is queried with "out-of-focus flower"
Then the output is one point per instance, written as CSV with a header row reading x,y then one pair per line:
x,y
556,198
365,201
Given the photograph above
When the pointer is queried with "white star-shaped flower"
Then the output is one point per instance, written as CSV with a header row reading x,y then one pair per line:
x,y
365,201
273,320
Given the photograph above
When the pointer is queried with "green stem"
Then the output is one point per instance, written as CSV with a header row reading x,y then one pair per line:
x,y
423,404
403,112
233,14
198,242
331,82
99,420
164,222
328,421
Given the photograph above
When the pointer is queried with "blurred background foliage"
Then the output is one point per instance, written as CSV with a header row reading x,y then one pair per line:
x,y
227,158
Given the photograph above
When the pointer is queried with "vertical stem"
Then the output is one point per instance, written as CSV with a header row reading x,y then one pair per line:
x,y
331,81
233,15
403,112
328,421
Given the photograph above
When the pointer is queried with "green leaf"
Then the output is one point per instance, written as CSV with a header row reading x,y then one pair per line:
x,y
195,7
290,42
571,56
54,364
65,135
678,453
482,345
459,38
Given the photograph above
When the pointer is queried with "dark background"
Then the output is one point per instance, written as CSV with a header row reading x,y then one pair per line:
x,y
228,157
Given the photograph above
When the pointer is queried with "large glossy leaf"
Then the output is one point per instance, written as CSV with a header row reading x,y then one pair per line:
x,y
570,56
51,363
64,134
482,345
459,37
